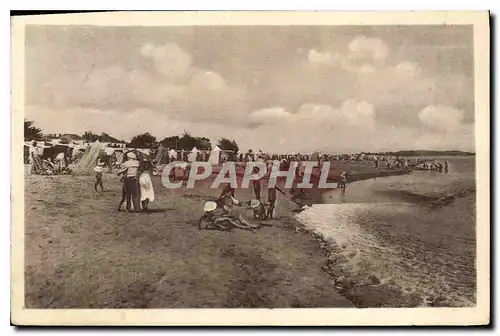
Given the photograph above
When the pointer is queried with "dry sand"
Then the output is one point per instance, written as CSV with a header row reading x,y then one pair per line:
x,y
81,253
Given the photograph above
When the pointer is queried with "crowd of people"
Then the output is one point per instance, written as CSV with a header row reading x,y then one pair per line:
x,y
436,166
55,165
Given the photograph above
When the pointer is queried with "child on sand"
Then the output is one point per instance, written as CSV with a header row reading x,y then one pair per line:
x,y
343,182
98,174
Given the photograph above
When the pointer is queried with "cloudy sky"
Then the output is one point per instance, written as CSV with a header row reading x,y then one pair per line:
x,y
292,89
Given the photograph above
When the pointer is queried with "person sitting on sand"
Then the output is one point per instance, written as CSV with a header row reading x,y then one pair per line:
x,y
225,215
130,183
259,210
227,190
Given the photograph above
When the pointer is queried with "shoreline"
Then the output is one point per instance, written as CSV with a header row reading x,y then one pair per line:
x,y
370,291
309,255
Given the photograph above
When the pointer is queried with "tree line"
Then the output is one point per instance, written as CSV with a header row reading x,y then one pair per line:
x,y
186,141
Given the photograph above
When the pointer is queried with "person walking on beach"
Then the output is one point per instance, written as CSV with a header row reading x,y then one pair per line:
x,y
446,167
130,182
146,185
440,167
99,169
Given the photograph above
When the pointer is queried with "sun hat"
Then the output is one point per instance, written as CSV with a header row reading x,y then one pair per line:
x,y
131,155
254,203
209,206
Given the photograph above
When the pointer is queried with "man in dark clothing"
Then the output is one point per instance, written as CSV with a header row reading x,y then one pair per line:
x,y
256,184
130,190
271,198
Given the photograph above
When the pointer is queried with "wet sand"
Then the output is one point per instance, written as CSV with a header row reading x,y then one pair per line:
x,y
400,241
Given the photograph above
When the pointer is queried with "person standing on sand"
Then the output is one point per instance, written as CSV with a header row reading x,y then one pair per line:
x,y
32,152
146,185
130,169
271,198
98,174
446,167
256,184
60,162
343,182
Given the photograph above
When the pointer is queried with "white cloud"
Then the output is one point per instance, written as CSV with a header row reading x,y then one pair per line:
x,y
365,73
445,129
441,118
348,127
339,96
363,46
269,115
169,59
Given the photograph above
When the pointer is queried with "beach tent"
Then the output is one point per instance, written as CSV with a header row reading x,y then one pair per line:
x,y
314,156
89,158
145,151
214,156
162,156
193,154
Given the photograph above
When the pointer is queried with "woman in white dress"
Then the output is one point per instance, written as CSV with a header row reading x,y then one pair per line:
x,y
146,185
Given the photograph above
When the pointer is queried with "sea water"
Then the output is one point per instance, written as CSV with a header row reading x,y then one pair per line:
x,y
387,229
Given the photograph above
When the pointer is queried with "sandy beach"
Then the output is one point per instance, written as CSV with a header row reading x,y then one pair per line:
x,y
81,253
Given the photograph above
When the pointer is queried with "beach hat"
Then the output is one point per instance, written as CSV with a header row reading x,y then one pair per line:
x,y
210,206
254,203
131,155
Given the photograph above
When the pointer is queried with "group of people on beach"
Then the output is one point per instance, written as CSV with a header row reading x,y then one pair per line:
x,y
436,166
56,165
137,187
398,163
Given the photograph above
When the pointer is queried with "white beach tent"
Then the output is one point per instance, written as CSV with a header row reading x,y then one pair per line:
x,y
172,154
214,156
193,154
